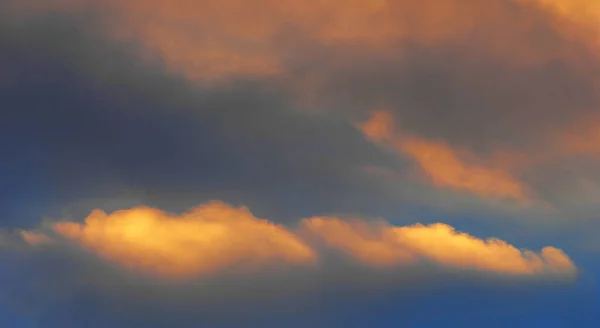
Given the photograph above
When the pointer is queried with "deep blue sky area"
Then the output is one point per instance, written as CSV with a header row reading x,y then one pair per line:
x,y
316,166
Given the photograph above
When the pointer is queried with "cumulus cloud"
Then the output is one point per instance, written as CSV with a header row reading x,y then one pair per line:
x,y
208,239
220,265
384,245
216,238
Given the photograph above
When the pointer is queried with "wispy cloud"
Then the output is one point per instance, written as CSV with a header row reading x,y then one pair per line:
x,y
443,165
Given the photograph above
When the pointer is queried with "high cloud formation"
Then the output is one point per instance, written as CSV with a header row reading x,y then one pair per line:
x,y
213,39
215,238
443,165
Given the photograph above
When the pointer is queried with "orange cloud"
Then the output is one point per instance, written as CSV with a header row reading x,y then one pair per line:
x,y
583,138
210,238
580,138
577,12
34,239
443,165
384,245
215,238
380,127
367,243
220,39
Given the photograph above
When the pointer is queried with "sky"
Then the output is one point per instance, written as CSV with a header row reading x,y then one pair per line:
x,y
291,163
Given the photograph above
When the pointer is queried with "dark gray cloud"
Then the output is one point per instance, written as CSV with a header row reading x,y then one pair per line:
x,y
515,81
84,119
87,118
87,123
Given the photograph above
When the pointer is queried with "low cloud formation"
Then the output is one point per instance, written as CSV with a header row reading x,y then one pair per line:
x,y
443,165
211,40
384,245
210,238
216,238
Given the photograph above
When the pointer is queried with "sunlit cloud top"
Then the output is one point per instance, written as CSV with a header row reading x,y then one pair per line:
x,y
210,238
216,237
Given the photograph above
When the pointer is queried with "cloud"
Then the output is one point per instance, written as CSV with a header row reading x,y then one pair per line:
x,y
577,12
170,143
219,265
388,245
215,238
170,103
460,79
35,239
444,166
208,239
512,173
213,40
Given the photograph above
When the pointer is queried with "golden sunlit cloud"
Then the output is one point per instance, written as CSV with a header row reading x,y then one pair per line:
x,y
443,165
582,13
210,238
385,245
215,238
367,243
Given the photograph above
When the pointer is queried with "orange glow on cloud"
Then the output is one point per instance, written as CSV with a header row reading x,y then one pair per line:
x,y
578,12
443,165
384,245
582,139
34,239
208,239
215,238
216,39
380,127
365,242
